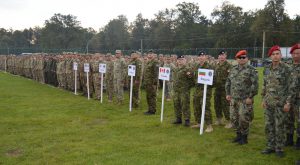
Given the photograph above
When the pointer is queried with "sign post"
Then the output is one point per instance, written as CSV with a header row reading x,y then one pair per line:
x,y
75,67
87,70
164,74
131,73
102,70
205,76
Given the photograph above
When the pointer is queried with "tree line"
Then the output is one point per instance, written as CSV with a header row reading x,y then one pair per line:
x,y
183,27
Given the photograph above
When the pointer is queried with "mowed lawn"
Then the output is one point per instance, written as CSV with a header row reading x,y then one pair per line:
x,y
40,124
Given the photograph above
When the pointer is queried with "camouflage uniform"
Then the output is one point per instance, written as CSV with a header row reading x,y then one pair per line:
x,y
182,85
294,100
242,83
220,103
169,84
119,77
136,82
274,94
96,78
150,79
109,77
198,97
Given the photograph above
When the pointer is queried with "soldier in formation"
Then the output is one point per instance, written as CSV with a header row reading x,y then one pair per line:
x,y
241,87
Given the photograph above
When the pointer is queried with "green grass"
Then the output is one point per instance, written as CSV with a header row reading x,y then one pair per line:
x,y
40,124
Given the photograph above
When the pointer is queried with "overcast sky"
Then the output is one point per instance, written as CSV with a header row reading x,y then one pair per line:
x,y
20,14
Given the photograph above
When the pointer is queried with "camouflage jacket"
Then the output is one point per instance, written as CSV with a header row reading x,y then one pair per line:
x,y
182,81
275,85
138,69
119,68
151,72
221,74
242,82
294,85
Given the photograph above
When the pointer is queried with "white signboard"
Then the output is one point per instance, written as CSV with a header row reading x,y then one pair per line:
x,y
86,67
205,76
131,70
164,73
75,66
102,68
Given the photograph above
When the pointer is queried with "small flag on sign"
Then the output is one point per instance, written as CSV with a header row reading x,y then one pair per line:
x,y
201,73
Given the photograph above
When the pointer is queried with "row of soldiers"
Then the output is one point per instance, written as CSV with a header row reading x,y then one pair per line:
x,y
235,86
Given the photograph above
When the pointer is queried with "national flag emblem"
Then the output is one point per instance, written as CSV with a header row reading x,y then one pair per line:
x,y
201,73
162,70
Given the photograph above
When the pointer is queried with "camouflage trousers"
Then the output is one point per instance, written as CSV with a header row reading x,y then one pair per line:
x,y
118,89
109,89
168,89
221,104
240,115
274,127
97,85
182,104
197,102
135,95
151,97
292,117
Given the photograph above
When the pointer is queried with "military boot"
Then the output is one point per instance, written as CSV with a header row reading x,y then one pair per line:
x,y
289,140
177,121
244,140
209,128
187,123
237,138
297,146
218,121
228,125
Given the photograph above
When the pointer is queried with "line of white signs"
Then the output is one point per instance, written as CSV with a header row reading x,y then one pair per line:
x,y
205,76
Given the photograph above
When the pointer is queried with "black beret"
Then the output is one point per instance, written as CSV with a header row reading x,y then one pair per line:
x,y
201,53
222,52
180,56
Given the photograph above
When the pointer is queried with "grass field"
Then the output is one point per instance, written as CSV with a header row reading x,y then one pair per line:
x,y
40,124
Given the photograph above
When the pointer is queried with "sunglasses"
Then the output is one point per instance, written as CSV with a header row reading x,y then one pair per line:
x,y
242,57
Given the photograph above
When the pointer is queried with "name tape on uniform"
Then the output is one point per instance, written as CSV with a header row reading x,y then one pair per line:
x,y
75,66
102,68
86,67
131,70
164,73
205,76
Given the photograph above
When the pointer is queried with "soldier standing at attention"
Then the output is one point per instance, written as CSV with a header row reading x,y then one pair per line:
x,y
274,92
241,87
169,84
183,82
150,79
222,69
119,76
294,98
136,79
202,62
109,77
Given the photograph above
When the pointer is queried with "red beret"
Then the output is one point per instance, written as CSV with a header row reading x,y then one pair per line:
x,y
274,48
294,47
241,53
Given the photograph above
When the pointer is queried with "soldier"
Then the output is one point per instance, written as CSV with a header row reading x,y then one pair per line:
x,y
96,76
241,87
183,82
109,77
198,94
169,84
222,69
293,100
274,93
150,79
136,79
119,76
